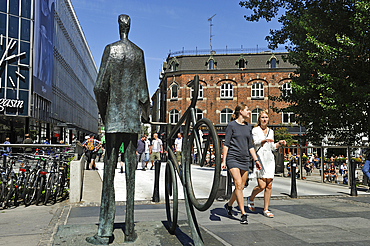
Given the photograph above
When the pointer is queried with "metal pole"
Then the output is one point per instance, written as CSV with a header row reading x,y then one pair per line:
x,y
353,178
322,165
157,171
293,190
300,162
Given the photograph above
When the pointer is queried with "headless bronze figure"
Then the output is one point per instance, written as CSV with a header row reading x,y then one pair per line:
x,y
121,90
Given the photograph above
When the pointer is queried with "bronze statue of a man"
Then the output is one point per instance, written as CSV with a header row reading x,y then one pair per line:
x,y
121,90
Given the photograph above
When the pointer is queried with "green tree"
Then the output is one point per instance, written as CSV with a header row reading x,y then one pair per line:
x,y
329,42
282,133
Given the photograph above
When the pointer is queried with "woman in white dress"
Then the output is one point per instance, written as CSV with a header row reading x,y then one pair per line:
x,y
263,138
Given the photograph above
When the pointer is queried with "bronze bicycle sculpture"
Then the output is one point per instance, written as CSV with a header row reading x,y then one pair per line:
x,y
194,141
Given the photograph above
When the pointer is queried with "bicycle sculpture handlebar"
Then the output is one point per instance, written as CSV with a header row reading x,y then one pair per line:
x,y
199,138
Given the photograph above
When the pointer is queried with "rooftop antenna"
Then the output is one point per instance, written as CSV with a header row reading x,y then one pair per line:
x,y
210,31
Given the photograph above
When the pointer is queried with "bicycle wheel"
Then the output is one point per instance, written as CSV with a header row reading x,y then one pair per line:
x,y
10,195
18,189
58,187
171,193
40,187
30,189
205,134
50,188
2,194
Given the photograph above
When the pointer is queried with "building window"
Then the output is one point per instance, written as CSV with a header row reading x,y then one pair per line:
x,y
273,63
174,91
200,93
226,91
288,117
198,114
287,89
255,114
211,64
173,67
241,63
225,115
257,91
174,116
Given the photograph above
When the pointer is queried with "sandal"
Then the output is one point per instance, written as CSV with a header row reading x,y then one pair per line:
x,y
268,214
250,205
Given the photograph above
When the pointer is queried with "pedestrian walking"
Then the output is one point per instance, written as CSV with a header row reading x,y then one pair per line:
x,y
8,149
140,151
121,153
263,138
238,152
156,149
146,153
366,167
178,147
28,140
92,145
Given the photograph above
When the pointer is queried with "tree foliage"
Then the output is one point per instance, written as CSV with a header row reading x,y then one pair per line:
x,y
329,42
282,133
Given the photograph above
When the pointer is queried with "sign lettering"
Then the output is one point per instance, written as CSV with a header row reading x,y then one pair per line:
x,y
10,103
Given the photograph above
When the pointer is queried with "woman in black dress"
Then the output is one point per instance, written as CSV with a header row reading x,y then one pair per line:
x,y
237,153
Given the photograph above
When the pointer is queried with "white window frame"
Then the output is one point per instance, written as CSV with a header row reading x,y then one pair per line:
x,y
200,93
260,91
286,89
172,97
227,112
255,112
289,116
226,91
173,115
198,114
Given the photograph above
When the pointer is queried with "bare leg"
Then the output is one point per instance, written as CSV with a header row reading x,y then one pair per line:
x,y
267,194
259,188
240,177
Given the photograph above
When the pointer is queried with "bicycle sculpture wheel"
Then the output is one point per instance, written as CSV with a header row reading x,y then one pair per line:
x,y
200,139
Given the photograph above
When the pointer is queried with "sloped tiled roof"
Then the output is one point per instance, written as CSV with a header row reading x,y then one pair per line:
x,y
228,61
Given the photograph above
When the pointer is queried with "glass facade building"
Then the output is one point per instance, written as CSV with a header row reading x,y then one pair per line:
x,y
47,72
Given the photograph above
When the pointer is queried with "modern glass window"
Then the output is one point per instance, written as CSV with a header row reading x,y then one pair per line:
x,y
288,117
226,91
174,92
200,93
257,91
174,116
198,114
225,115
273,63
211,64
255,114
287,89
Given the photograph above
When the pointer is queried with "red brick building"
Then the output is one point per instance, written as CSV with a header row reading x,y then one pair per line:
x,y
225,81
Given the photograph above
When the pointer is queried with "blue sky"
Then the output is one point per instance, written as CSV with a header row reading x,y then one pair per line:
x,y
160,26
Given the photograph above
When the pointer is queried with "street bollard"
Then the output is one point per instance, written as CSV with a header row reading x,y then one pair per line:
x,y
293,190
157,170
353,179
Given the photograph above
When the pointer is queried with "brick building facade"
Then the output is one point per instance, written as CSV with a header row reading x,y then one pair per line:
x,y
225,80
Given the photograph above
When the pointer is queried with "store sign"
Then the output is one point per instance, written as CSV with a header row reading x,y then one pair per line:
x,y
10,103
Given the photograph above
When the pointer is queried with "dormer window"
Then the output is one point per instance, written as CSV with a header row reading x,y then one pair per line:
x,y
242,62
273,62
211,63
173,64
